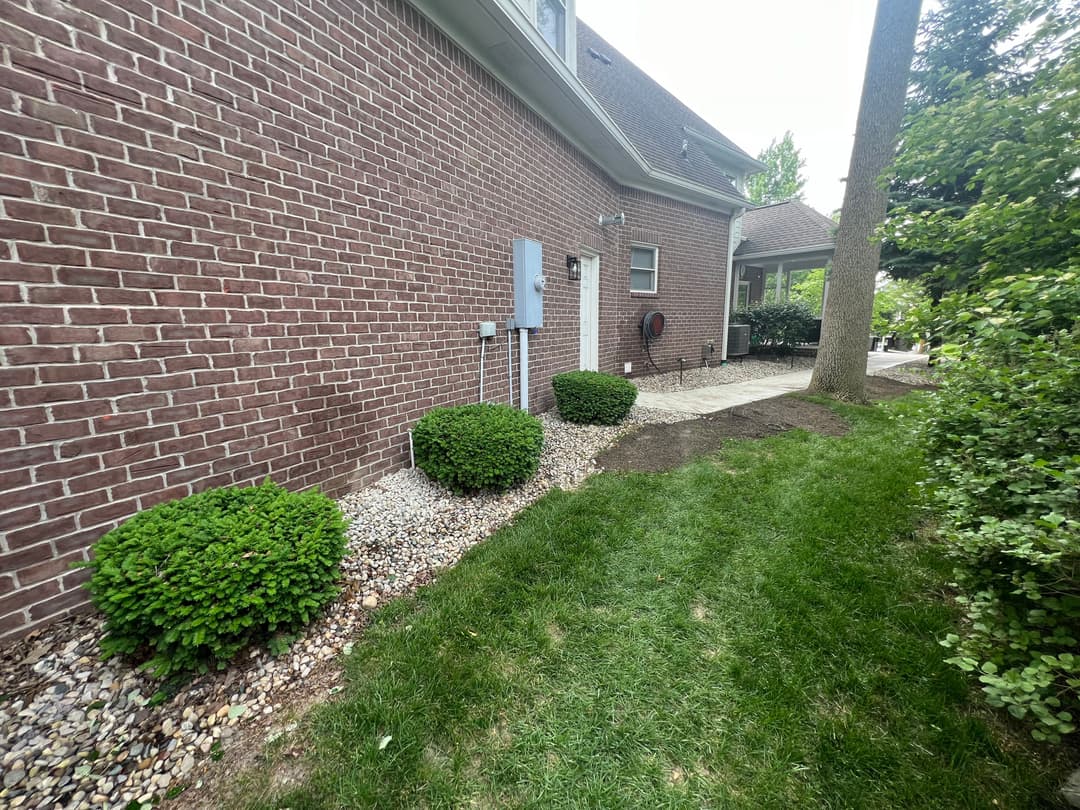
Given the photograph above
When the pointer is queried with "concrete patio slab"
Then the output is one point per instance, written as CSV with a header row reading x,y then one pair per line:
x,y
718,397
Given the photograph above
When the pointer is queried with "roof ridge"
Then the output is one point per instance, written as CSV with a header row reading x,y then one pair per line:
x,y
772,204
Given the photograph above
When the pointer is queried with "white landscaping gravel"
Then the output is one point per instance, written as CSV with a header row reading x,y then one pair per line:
x,y
76,732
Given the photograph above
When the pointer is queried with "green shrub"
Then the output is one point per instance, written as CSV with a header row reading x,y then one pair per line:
x,y
591,398
470,448
1002,437
778,327
188,584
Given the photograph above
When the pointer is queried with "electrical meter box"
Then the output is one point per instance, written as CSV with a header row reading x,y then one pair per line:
x,y
529,284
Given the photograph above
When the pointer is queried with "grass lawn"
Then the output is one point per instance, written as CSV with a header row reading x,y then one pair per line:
x,y
755,630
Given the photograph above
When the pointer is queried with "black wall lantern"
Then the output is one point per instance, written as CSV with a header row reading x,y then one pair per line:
x,y
573,267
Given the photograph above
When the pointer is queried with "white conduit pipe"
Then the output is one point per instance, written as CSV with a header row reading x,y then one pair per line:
x,y
483,346
510,362
523,365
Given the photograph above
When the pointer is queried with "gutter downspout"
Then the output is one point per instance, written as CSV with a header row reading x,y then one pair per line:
x,y
730,281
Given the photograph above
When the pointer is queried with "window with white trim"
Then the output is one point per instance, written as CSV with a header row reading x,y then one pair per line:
x,y
551,20
643,267
742,296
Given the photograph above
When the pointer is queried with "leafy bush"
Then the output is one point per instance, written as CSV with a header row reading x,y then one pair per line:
x,y
1002,436
592,398
188,584
778,327
470,448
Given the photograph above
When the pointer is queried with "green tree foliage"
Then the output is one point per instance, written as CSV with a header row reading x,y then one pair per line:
x,y
893,301
808,287
781,181
987,168
1003,438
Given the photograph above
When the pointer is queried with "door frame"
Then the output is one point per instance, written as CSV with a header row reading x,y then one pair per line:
x,y
589,356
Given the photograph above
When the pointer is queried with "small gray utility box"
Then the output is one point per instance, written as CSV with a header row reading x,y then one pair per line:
x,y
529,284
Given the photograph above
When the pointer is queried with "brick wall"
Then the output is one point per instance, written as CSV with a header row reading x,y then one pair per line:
x,y
255,238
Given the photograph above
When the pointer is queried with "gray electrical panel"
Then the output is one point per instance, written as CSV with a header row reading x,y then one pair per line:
x,y
529,284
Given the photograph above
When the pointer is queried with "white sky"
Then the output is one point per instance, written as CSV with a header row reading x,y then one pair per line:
x,y
755,68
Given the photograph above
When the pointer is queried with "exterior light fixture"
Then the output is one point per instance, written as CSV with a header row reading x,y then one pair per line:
x,y
573,267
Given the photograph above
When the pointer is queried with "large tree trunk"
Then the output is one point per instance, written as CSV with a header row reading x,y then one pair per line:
x,y
840,370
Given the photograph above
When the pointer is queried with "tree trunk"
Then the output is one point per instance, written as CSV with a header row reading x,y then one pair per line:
x,y
840,369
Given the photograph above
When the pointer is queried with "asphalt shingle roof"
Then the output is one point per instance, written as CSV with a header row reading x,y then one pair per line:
x,y
648,115
787,227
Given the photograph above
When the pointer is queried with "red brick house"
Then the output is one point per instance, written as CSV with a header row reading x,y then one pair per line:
x,y
241,239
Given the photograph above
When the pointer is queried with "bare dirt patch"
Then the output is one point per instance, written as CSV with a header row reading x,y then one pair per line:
x,y
660,447
657,448
879,388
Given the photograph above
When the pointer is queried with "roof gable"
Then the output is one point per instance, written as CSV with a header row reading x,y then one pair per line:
x,y
657,124
785,228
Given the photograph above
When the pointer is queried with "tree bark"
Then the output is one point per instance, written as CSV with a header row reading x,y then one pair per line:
x,y
840,369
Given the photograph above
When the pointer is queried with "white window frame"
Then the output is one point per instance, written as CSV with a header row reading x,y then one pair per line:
x,y
655,269
743,286
565,29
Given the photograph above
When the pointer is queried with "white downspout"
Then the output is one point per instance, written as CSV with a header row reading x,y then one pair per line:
x,y
730,281
523,366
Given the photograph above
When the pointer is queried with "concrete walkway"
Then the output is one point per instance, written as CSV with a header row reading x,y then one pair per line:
x,y
718,397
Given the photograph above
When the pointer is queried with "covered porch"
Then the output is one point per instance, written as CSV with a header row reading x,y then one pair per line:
x,y
785,253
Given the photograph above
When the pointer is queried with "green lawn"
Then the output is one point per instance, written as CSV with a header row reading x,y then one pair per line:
x,y
755,630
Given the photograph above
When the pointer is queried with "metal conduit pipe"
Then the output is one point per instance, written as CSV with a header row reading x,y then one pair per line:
x,y
523,366
510,363
483,347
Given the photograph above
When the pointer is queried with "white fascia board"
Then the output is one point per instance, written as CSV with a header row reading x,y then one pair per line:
x,y
809,252
693,193
723,153
502,38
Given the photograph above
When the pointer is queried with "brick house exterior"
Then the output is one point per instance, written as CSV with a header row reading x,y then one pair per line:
x,y
244,239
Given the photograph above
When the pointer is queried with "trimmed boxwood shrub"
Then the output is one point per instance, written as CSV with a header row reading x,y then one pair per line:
x,y
188,584
470,448
592,398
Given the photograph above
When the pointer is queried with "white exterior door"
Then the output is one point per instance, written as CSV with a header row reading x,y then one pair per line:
x,y
590,312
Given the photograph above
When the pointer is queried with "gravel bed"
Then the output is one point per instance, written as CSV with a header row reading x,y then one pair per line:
x,y
77,732
751,368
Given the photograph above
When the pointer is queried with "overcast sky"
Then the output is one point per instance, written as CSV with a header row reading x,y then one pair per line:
x,y
754,69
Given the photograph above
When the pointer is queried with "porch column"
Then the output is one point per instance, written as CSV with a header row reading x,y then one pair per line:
x,y
779,280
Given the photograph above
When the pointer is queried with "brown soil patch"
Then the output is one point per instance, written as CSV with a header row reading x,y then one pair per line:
x,y
658,448
879,388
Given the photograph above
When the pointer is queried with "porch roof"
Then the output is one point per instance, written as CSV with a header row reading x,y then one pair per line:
x,y
786,230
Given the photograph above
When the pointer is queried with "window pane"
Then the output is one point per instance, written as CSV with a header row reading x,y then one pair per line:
x,y
642,280
551,20
643,257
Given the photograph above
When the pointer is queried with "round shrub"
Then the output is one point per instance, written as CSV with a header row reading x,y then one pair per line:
x,y
188,584
470,448
592,398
